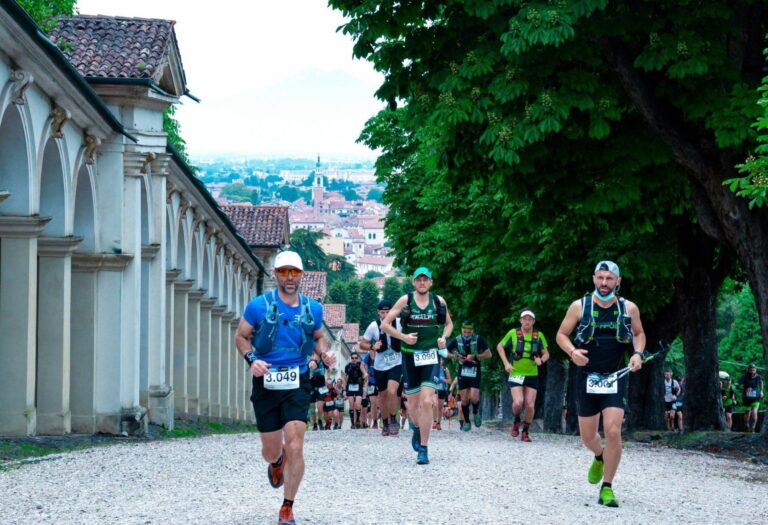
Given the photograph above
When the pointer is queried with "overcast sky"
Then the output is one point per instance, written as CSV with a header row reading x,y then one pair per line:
x,y
274,77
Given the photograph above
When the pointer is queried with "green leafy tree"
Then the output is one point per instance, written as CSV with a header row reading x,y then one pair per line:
x,y
370,274
645,107
339,269
337,293
353,301
173,129
392,290
369,299
304,242
350,195
44,12
375,194
240,193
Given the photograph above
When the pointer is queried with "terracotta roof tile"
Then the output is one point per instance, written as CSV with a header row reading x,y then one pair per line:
x,y
313,285
351,333
115,47
335,314
260,225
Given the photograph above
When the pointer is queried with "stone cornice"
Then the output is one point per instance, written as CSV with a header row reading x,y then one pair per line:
x,y
183,285
4,195
57,246
228,316
208,304
171,275
149,251
160,391
22,226
218,311
196,295
100,262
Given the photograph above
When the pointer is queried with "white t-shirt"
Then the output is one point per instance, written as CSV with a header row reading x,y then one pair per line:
x,y
669,390
389,358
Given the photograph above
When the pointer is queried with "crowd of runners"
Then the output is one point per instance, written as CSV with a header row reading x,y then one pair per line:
x,y
399,377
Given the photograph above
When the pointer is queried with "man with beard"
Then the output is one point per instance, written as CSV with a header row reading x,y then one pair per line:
x,y
279,331
607,326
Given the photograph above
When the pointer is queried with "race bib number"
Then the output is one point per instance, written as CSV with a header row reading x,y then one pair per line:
x,y
371,390
425,357
469,371
518,380
753,393
322,391
602,384
390,358
282,378
329,403
340,403
353,388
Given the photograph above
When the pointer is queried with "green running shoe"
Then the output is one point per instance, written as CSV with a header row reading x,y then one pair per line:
x,y
478,419
607,498
595,473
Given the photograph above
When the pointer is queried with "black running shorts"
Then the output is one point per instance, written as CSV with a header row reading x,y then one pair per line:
x,y
383,377
592,404
275,408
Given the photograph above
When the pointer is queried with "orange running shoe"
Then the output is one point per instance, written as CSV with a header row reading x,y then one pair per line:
x,y
515,430
286,516
275,472
525,437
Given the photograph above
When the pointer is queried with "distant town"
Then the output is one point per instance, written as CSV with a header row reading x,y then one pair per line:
x,y
340,199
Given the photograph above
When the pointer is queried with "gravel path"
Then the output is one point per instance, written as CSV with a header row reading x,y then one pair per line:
x,y
358,477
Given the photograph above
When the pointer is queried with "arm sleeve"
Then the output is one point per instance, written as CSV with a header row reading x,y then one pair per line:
x,y
544,343
255,311
507,337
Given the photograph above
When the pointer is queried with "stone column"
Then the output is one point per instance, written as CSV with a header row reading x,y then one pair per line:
x,y
53,333
205,356
180,347
216,362
18,321
157,397
236,373
83,344
228,411
193,353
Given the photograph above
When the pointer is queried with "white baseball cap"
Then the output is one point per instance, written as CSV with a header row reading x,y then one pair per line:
x,y
288,259
608,266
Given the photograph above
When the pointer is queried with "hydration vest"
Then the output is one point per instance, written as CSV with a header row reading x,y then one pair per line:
x,y
442,311
355,373
586,330
264,340
385,340
535,345
472,345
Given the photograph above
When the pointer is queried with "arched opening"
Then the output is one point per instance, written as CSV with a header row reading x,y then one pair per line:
x,y
14,164
52,192
85,206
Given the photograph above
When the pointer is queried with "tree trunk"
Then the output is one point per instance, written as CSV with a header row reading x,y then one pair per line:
x,y
487,406
645,407
541,392
572,417
696,295
553,395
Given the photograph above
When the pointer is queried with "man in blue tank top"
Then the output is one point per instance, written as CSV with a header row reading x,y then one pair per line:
x,y
278,333
607,328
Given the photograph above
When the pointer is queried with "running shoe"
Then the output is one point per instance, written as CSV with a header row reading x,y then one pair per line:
x,y
595,473
438,427
478,419
314,427
286,516
515,430
422,458
394,428
375,425
466,427
275,472
525,437
416,439
384,429
607,498
434,425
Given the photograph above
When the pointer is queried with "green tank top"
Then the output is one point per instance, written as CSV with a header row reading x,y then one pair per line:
x,y
424,323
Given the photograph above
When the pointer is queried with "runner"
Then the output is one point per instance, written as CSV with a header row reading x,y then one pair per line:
x,y
606,327
329,405
404,415
423,316
317,381
671,391
752,386
529,350
355,376
338,405
729,399
277,334
387,369
443,380
371,402
469,348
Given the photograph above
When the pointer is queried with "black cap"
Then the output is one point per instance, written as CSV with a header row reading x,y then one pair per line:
x,y
384,305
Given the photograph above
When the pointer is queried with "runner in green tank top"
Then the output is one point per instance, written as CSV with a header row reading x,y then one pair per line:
x,y
426,326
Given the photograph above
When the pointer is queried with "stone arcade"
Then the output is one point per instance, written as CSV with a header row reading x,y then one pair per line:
x,y
121,281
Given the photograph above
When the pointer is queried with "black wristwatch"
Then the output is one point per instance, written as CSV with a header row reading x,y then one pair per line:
x,y
250,357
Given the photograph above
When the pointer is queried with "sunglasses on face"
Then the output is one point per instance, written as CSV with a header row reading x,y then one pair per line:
x,y
285,272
